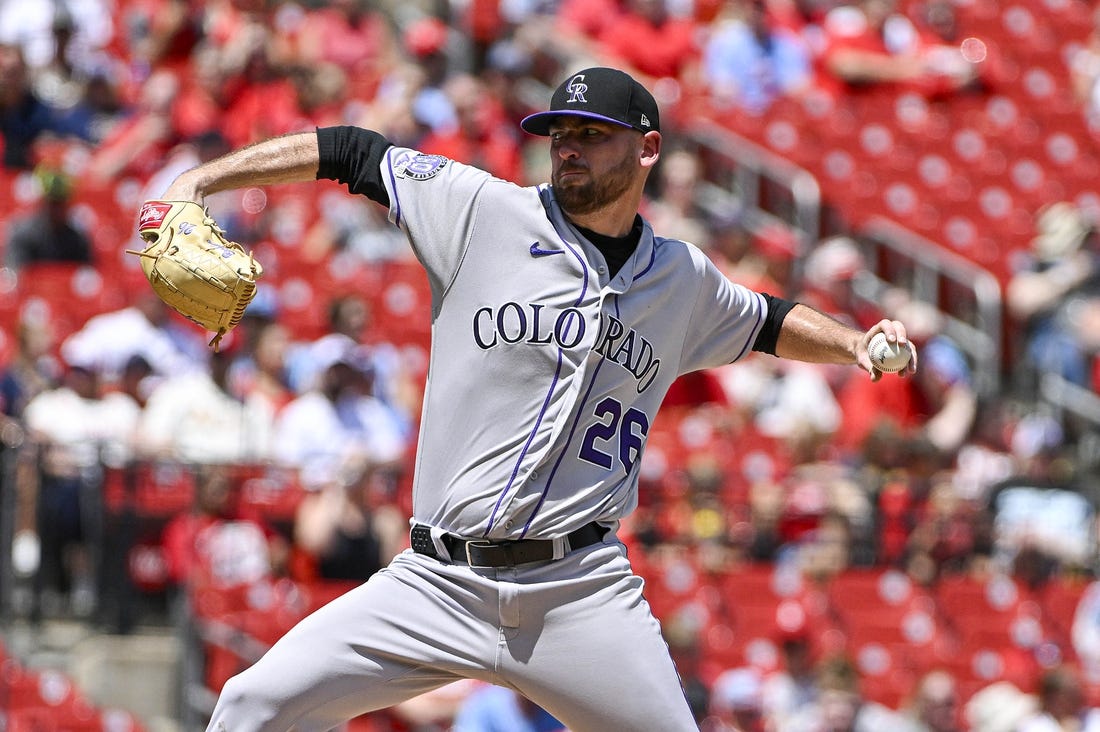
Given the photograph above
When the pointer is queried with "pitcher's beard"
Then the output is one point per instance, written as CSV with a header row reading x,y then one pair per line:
x,y
579,199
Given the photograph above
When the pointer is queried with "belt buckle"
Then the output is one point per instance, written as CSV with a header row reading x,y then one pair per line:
x,y
477,543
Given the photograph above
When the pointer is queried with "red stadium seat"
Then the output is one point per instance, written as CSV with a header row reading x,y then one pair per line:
x,y
7,189
79,715
163,489
885,607
1058,600
96,210
883,675
961,596
301,309
876,141
19,687
30,719
796,140
761,582
275,495
855,589
1030,182
70,293
321,592
24,688
402,306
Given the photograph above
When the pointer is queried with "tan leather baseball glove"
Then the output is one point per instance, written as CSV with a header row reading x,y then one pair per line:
x,y
193,267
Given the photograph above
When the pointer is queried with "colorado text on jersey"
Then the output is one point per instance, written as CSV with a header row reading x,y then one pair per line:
x,y
513,323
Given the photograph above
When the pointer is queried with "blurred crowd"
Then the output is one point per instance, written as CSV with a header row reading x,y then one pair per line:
x,y
103,102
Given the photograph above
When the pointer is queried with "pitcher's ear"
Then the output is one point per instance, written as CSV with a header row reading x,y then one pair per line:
x,y
651,148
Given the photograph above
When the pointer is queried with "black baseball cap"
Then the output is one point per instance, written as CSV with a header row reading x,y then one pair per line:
x,y
599,93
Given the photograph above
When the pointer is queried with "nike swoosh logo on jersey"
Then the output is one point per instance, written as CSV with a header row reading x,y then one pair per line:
x,y
537,251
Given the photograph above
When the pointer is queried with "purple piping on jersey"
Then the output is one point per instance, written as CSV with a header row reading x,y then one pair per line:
x,y
755,328
393,185
652,259
526,445
572,431
565,449
545,404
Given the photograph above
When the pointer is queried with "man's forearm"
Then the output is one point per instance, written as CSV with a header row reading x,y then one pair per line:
x,y
855,66
288,159
809,335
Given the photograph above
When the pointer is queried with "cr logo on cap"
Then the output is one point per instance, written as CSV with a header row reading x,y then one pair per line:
x,y
576,88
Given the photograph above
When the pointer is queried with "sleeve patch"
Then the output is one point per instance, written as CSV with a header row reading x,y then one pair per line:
x,y
420,167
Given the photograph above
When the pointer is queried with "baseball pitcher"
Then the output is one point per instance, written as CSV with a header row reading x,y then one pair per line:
x,y
560,318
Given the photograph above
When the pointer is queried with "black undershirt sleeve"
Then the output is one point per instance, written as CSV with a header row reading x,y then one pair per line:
x,y
769,333
353,156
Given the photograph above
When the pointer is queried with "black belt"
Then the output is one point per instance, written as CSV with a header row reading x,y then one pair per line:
x,y
509,553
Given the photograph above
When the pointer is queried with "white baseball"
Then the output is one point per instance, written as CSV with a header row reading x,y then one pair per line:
x,y
886,356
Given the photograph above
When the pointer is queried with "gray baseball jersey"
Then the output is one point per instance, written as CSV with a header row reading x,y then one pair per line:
x,y
546,373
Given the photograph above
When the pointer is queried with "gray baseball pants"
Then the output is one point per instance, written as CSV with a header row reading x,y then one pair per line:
x,y
575,636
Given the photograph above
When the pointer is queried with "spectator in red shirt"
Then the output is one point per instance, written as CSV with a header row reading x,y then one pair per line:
x,y
138,145
871,45
265,102
651,40
218,545
695,389
160,33
938,406
200,105
590,19
829,276
483,136
799,16
349,34
484,23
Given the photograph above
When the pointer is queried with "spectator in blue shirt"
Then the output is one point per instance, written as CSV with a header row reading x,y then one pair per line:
x,y
497,709
23,116
748,63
